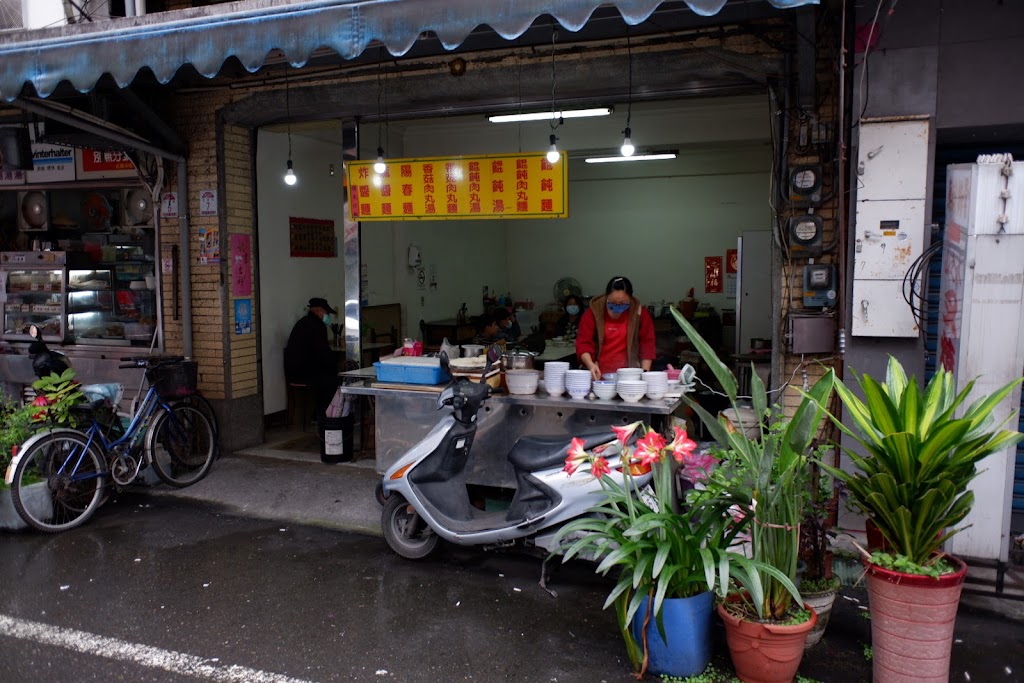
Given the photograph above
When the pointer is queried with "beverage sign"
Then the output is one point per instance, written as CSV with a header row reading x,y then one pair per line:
x,y
101,163
456,188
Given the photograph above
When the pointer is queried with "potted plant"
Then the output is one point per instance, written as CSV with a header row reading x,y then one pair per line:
x,y
911,481
762,484
16,426
669,563
818,586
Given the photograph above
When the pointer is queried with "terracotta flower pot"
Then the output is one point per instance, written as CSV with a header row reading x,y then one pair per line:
x,y
912,619
765,653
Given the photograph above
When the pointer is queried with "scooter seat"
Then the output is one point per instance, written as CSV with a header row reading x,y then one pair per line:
x,y
532,453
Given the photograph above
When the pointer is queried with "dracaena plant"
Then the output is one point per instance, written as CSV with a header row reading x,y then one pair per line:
x,y
658,553
763,482
918,457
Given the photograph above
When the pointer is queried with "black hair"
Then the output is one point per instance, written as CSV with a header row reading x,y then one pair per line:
x,y
565,301
500,314
485,320
619,283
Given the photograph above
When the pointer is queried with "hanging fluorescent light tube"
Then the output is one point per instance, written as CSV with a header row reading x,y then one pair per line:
x,y
653,156
549,116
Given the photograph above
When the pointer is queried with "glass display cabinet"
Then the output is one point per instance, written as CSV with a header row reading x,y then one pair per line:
x,y
32,293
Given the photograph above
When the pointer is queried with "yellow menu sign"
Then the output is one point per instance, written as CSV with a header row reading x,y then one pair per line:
x,y
452,188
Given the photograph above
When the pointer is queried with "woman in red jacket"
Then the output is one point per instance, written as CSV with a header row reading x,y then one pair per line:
x,y
616,331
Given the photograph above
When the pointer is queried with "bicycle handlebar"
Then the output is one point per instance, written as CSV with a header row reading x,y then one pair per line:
x,y
149,361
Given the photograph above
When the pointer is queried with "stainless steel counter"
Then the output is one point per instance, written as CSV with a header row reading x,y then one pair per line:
x,y
404,416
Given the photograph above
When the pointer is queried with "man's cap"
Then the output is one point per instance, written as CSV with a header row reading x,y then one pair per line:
x,y
317,302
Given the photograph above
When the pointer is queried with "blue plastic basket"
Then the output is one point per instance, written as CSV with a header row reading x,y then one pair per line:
x,y
410,374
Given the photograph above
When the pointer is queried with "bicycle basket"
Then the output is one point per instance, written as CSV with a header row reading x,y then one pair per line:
x,y
175,380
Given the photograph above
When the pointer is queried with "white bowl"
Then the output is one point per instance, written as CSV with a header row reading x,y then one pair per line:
x,y
522,381
605,392
630,396
656,395
579,394
554,388
630,373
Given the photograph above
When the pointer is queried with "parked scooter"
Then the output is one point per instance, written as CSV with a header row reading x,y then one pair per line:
x,y
426,489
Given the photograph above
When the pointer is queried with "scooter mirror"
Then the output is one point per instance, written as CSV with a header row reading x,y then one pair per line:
x,y
446,367
33,331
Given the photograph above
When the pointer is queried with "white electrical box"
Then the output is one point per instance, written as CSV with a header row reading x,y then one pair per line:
x,y
892,187
888,238
892,159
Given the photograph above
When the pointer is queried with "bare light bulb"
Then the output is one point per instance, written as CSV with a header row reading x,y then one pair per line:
x,y
289,175
379,166
553,155
627,144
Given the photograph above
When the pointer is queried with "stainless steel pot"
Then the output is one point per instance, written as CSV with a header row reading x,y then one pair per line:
x,y
517,360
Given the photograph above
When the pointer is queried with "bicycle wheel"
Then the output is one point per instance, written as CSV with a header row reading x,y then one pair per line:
x,y
181,445
59,482
203,405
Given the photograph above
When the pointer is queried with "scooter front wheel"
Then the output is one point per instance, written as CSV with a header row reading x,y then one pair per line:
x,y
405,531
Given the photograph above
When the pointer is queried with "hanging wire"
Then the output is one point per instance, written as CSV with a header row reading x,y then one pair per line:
x,y
288,111
380,100
629,94
554,125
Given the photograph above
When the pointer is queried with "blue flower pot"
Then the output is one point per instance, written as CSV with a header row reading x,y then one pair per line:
x,y
688,629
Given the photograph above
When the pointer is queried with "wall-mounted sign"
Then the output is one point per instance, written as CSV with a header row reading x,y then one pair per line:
x,y
312,238
98,163
169,205
471,187
241,265
208,202
713,274
50,163
209,246
243,316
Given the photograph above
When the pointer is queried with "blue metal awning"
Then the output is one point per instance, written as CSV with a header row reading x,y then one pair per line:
x,y
205,37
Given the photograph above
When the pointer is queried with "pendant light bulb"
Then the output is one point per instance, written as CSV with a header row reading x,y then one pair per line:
x,y
553,155
627,144
379,167
289,175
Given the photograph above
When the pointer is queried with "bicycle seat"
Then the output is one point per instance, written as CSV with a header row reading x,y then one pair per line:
x,y
532,453
111,391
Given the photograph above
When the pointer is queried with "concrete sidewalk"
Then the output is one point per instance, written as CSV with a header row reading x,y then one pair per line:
x,y
290,486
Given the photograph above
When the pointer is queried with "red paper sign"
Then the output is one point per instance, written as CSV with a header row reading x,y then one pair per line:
x,y
241,265
713,274
732,261
95,160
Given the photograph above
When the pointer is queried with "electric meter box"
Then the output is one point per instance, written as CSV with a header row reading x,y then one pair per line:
x,y
805,185
819,286
805,236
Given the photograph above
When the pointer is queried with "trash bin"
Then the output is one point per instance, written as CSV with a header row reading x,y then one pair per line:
x,y
336,438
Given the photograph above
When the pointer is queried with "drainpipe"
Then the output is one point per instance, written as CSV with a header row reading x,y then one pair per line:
x,y
186,260
140,7
129,8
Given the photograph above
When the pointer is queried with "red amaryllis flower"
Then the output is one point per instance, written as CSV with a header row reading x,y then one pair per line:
x,y
648,449
600,468
577,456
681,446
623,433
697,466
40,402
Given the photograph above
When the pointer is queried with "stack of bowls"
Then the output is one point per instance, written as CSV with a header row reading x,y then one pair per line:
x,y
554,377
522,381
578,383
631,390
657,384
629,374
604,389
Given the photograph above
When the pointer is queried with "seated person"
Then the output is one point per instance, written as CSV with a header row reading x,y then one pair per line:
x,y
569,324
508,326
487,331
308,358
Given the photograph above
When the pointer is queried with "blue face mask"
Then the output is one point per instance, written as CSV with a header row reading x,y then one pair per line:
x,y
572,309
618,308
327,318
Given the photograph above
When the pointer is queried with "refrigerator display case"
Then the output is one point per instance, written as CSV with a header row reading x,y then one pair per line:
x,y
32,293
111,304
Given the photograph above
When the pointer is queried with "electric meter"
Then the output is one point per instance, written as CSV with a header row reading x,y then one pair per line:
x,y
805,185
805,234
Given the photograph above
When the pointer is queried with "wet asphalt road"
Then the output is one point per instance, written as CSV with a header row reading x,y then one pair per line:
x,y
205,591
305,602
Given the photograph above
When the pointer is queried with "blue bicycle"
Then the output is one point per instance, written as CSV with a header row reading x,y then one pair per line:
x,y
58,476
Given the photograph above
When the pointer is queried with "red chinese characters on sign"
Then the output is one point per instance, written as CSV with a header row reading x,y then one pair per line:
x,y
519,186
713,274
94,160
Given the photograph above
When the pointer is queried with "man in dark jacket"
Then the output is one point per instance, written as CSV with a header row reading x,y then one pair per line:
x,y
308,358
